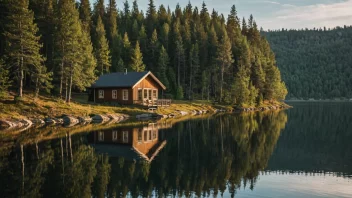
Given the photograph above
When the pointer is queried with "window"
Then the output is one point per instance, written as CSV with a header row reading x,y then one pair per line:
x,y
145,135
150,94
145,93
125,137
101,136
140,94
125,94
114,136
101,93
154,134
140,135
114,94
155,94
150,134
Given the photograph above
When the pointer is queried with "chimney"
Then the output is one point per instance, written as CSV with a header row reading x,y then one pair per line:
x,y
125,71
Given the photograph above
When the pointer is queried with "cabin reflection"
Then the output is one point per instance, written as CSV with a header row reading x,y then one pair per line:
x,y
129,142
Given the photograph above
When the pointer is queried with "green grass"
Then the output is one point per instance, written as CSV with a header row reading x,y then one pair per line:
x,y
47,106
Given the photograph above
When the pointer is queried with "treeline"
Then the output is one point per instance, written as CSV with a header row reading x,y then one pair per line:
x,y
314,63
64,45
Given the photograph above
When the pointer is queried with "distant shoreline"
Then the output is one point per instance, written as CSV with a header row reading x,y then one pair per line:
x,y
327,100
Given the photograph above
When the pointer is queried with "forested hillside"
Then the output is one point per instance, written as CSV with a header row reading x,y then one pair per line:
x,y
314,63
63,46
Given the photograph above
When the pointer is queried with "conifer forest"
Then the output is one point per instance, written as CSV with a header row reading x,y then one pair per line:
x,y
60,47
314,63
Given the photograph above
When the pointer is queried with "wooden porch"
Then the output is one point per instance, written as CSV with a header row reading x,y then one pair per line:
x,y
154,103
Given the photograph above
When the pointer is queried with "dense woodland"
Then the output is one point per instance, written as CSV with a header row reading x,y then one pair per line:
x,y
314,63
63,46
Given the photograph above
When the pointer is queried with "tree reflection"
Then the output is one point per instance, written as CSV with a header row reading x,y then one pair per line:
x,y
201,157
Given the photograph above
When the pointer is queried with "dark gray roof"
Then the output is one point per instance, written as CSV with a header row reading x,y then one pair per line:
x,y
119,79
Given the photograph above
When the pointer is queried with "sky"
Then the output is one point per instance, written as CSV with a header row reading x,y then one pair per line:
x,y
274,14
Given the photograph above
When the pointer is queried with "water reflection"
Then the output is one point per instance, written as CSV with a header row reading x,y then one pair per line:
x,y
196,157
219,155
317,139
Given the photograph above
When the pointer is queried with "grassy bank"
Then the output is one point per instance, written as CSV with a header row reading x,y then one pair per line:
x,y
47,106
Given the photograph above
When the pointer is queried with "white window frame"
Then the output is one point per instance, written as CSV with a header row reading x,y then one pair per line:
x,y
125,136
114,94
123,94
101,93
139,89
114,136
140,136
156,94
101,136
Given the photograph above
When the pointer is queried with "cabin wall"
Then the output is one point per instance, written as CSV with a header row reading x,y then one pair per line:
x,y
114,136
147,83
108,95
145,139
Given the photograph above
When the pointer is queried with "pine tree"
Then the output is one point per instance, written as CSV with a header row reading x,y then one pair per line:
x,y
5,81
23,49
137,59
102,52
69,37
194,67
163,64
224,57
85,15
112,33
127,51
153,47
151,19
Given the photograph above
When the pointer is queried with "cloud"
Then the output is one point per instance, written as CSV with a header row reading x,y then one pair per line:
x,y
319,15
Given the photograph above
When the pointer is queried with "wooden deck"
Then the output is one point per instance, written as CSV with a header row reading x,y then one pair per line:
x,y
154,103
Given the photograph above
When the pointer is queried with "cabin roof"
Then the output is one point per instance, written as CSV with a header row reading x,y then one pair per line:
x,y
128,152
122,79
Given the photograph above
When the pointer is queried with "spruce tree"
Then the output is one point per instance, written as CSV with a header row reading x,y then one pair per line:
x,y
112,33
23,48
5,81
127,50
163,64
194,67
102,52
137,59
153,47
224,58
85,15
151,17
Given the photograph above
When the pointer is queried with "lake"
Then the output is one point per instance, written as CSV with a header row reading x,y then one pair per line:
x,y
301,152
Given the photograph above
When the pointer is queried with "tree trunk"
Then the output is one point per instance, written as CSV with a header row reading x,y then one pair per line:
x,y
70,86
61,77
222,82
190,81
66,89
36,88
62,71
178,69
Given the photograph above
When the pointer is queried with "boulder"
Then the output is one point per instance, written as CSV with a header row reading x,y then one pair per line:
x,y
143,116
100,118
7,124
114,117
49,121
70,121
38,121
183,113
85,120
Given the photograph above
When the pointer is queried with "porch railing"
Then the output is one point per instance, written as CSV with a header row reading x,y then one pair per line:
x,y
158,102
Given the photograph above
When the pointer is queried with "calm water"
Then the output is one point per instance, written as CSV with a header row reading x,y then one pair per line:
x,y
301,152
